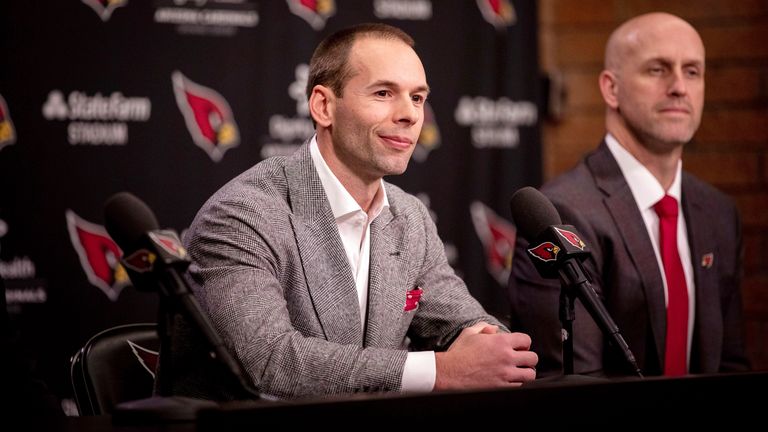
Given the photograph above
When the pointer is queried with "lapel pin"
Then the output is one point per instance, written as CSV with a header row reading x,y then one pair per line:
x,y
707,260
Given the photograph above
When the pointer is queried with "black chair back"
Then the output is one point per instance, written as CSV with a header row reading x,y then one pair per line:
x,y
116,365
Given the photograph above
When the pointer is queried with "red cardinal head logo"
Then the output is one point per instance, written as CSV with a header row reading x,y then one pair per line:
x,y
546,251
104,8
207,115
500,13
429,139
571,238
170,243
7,131
140,261
99,255
146,357
315,12
498,238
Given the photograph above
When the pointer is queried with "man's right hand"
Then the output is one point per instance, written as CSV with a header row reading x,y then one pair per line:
x,y
481,357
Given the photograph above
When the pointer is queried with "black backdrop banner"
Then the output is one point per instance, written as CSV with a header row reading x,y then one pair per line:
x,y
169,99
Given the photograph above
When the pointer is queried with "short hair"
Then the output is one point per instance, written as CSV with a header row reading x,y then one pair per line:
x,y
329,65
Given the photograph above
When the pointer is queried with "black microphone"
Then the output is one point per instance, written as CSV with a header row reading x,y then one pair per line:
x,y
128,220
557,252
155,260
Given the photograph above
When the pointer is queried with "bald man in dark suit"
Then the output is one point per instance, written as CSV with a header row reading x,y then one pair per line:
x,y
653,87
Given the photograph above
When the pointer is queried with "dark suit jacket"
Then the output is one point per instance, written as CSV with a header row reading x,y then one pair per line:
x,y
596,199
270,269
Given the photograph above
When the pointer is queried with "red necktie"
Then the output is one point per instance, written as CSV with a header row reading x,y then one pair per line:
x,y
677,294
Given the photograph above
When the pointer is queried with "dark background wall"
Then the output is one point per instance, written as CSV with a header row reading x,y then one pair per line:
x,y
169,99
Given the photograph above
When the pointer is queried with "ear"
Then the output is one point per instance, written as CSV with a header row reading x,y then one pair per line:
x,y
609,87
322,104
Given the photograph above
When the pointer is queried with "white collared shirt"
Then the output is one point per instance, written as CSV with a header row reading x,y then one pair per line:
x,y
647,191
354,226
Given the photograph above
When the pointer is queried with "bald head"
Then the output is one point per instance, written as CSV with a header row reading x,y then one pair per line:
x,y
653,84
636,34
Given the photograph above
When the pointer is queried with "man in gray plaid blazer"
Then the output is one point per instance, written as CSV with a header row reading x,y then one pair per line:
x,y
322,278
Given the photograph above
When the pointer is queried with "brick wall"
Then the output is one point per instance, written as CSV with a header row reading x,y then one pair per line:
x,y
730,149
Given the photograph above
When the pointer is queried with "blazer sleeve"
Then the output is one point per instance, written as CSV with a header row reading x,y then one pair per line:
x,y
733,353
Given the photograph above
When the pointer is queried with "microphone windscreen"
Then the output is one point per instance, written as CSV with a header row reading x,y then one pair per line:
x,y
128,219
532,212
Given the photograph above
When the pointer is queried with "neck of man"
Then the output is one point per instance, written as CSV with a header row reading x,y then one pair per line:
x,y
362,188
660,159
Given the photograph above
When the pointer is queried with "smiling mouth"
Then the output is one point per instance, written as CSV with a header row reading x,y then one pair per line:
x,y
398,142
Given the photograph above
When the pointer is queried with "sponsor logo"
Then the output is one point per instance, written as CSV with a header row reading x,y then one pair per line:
x,y
97,119
7,131
314,12
17,267
429,139
498,237
287,133
571,238
99,255
207,17
208,116
546,251
104,8
33,293
495,123
146,357
403,9
22,287
500,13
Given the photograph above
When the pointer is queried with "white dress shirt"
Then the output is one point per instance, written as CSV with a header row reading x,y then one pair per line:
x,y
354,226
647,191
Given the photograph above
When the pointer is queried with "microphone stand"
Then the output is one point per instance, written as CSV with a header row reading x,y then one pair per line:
x,y
176,298
567,315
575,282
557,252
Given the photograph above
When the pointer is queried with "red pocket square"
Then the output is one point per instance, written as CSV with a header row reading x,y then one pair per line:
x,y
412,299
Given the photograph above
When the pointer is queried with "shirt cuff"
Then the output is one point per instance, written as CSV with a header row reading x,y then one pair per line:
x,y
419,372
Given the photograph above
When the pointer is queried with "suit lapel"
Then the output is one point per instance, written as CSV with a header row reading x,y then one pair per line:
x,y
388,276
708,327
326,269
629,222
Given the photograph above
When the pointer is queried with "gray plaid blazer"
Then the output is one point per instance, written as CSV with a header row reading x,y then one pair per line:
x,y
270,270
